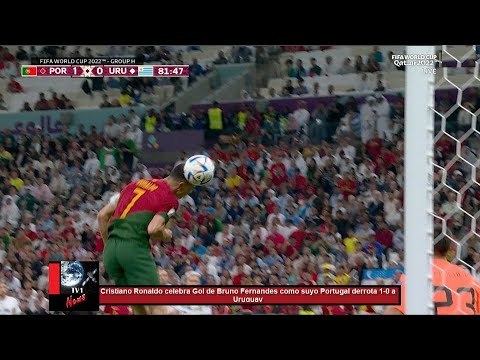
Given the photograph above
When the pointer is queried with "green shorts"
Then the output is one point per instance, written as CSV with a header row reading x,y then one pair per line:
x,y
130,262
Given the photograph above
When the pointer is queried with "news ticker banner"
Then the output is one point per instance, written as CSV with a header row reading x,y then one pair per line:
x,y
89,71
74,285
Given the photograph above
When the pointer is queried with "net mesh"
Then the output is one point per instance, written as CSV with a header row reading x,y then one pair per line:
x,y
457,170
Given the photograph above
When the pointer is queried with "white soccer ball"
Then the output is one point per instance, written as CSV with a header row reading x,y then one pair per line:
x,y
199,170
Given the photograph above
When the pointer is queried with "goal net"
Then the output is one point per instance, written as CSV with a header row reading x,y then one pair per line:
x,y
442,174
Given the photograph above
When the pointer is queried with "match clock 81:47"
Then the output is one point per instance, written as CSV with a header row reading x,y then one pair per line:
x,y
170,70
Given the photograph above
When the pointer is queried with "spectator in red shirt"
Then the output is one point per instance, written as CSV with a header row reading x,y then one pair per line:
x,y
42,103
277,239
279,173
374,146
299,182
14,86
299,236
348,185
384,236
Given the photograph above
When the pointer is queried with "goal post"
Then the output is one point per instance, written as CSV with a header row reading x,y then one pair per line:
x,y
419,152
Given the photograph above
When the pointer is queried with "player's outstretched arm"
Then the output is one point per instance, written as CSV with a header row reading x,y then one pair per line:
x,y
103,217
157,230
158,227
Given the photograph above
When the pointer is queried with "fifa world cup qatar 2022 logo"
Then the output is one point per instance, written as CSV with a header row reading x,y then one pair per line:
x,y
74,285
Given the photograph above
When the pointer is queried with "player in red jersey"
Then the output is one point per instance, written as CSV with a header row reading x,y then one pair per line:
x,y
456,291
141,213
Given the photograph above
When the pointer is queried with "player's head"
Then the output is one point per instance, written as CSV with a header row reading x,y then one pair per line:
x,y
442,241
179,185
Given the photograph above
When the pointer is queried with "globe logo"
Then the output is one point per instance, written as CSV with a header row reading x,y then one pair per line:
x,y
71,273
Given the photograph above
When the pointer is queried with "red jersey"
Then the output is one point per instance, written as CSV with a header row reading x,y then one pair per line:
x,y
139,202
152,195
456,292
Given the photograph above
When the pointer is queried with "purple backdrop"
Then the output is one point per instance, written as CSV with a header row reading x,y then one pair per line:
x,y
312,102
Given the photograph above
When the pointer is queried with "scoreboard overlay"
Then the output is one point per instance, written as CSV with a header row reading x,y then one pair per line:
x,y
89,71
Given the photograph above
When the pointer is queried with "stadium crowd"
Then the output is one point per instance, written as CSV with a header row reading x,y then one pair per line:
x,y
301,196
133,91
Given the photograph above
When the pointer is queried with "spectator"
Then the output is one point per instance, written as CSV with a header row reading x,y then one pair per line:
x,y
330,68
315,70
272,94
196,69
42,103
26,107
372,64
300,69
21,54
56,103
105,103
301,89
112,130
364,84
360,67
125,98
331,90
289,89
316,89
8,304
221,60
368,116
3,105
14,86
377,54
346,67
382,109
291,71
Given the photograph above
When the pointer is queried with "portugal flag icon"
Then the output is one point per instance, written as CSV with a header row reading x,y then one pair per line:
x,y
29,71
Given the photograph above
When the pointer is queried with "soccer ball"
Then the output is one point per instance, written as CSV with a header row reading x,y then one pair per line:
x,y
199,170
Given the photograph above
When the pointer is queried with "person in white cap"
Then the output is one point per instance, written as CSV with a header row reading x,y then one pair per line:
x,y
368,118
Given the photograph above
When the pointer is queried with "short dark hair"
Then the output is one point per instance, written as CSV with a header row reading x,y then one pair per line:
x,y
441,241
177,173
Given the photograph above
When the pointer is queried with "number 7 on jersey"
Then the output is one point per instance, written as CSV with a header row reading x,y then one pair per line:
x,y
139,193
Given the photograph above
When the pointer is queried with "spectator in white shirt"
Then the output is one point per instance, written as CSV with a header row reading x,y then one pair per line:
x,y
9,214
12,282
368,116
383,116
347,67
134,118
364,84
192,278
42,281
42,163
111,129
276,214
287,229
58,185
330,68
8,305
92,165
302,116
272,94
